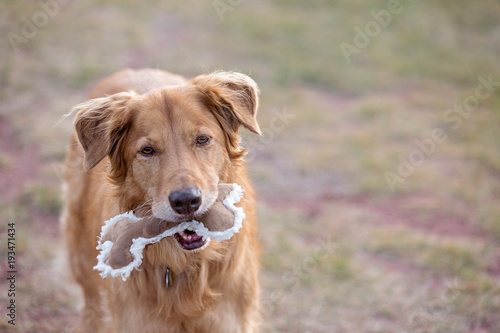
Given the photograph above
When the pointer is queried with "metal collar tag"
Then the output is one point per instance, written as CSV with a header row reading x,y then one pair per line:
x,y
168,278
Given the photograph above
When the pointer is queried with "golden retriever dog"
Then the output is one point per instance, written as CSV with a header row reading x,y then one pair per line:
x,y
158,144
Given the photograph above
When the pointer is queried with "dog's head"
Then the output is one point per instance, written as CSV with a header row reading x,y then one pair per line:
x,y
168,149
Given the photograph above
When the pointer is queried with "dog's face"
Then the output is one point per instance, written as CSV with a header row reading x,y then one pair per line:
x,y
169,148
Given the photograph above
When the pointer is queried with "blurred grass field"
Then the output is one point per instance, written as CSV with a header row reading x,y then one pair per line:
x,y
343,251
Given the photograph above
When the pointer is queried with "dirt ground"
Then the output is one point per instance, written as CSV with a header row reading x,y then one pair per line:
x,y
378,174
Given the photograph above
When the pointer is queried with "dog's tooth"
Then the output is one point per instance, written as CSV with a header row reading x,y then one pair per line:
x,y
189,237
181,233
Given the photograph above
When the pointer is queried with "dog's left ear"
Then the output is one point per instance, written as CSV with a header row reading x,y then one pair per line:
x,y
233,97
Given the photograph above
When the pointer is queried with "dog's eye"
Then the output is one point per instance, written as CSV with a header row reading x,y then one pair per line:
x,y
147,151
202,140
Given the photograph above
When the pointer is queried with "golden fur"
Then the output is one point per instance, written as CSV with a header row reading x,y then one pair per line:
x,y
214,289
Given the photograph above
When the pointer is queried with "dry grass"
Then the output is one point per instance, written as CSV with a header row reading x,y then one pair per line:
x,y
343,252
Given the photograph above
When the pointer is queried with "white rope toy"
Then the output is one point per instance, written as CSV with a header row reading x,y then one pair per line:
x,y
138,244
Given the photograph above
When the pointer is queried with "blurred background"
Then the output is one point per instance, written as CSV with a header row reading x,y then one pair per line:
x,y
378,175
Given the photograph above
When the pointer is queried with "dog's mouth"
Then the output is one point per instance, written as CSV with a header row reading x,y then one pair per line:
x,y
190,240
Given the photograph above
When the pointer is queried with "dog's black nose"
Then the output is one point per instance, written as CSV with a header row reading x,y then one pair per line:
x,y
185,201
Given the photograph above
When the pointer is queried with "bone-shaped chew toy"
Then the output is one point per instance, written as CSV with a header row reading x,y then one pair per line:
x,y
124,237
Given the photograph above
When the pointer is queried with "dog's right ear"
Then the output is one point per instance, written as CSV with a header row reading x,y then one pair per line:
x,y
100,123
